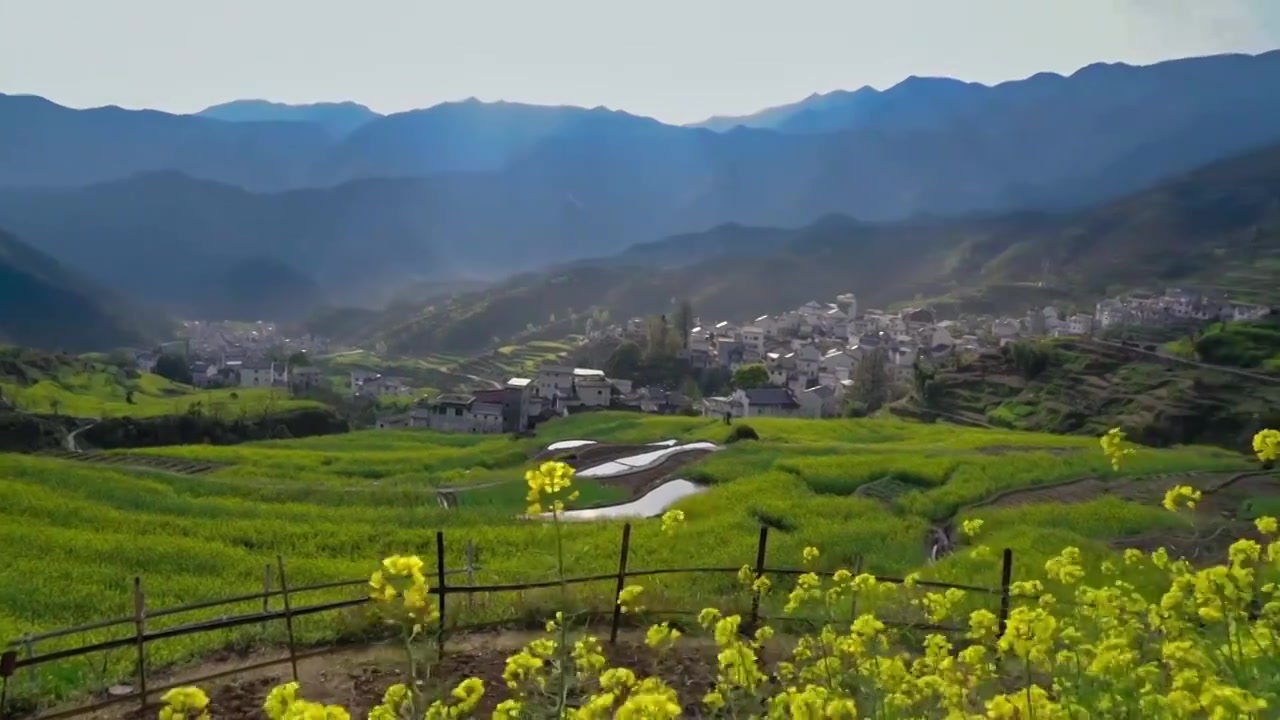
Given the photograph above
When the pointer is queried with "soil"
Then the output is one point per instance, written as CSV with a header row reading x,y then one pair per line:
x,y
357,677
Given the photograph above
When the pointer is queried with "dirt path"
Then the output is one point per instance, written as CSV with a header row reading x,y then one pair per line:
x,y
356,676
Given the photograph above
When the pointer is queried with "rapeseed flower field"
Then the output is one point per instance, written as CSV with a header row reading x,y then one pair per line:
x,y
329,504
1199,643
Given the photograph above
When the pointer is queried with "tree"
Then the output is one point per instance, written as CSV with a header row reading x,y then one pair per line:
x,y
870,385
684,322
752,376
625,362
689,388
173,367
658,331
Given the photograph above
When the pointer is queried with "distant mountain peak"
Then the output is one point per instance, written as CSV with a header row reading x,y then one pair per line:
x,y
338,118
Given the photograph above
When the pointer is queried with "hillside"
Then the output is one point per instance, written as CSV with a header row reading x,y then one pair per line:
x,y
44,304
1083,387
1194,229
484,189
339,119
1252,345
33,381
215,251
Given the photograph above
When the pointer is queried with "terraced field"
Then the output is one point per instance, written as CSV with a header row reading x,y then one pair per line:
x,y
136,461
202,521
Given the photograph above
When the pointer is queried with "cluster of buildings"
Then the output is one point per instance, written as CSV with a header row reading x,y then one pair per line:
x,y
521,403
212,339
227,354
812,354
1174,307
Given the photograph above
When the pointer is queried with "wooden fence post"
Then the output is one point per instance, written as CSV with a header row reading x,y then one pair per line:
x,y
8,663
1006,575
140,628
288,616
440,591
471,572
622,580
266,589
759,572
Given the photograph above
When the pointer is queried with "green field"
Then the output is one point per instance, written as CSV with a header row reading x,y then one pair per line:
x,y
334,505
1253,345
92,389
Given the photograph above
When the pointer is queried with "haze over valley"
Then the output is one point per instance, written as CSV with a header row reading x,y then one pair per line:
x,y
259,210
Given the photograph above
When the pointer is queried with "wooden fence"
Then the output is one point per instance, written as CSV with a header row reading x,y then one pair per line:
x,y
20,655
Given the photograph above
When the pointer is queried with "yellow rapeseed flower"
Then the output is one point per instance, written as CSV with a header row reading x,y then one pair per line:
x,y
1266,444
185,703
1181,495
546,482
1113,446
671,520
661,636
627,598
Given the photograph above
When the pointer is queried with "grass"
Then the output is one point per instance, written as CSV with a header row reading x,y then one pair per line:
x,y
103,391
1252,344
333,505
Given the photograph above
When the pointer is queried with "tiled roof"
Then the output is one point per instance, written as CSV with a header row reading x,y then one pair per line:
x,y
777,397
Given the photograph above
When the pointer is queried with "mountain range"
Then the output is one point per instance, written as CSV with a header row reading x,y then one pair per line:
x,y
1222,220
334,203
48,306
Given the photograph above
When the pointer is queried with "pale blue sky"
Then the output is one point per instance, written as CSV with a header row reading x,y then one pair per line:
x,y
677,60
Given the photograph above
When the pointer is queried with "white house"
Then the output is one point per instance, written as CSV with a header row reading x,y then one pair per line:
x,y
838,361
553,381
821,401
592,390
753,338
305,377
463,413
257,375
808,360
1004,328
699,340
1080,324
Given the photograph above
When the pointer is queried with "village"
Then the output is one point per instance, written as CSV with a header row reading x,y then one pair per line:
x,y
811,355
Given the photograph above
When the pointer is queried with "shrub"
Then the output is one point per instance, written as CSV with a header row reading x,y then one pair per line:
x,y
741,432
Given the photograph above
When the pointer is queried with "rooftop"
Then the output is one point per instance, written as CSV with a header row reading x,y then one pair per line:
x,y
774,397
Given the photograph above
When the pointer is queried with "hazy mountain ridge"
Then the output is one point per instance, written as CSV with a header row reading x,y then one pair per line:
x,y
338,118
930,102
510,187
49,306
1190,228
191,245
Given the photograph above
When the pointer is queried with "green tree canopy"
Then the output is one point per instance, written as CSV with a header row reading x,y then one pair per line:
x,y
625,361
173,367
751,376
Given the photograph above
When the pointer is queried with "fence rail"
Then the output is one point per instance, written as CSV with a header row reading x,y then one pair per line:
x,y
19,654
